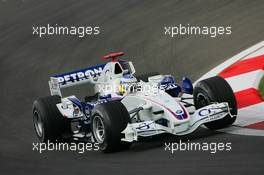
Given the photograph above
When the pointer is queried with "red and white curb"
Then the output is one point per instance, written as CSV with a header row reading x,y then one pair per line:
x,y
244,72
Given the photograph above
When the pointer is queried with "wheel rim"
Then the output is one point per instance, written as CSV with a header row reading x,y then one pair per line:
x,y
202,100
98,129
38,124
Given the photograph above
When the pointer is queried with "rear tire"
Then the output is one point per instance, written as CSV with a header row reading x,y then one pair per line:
x,y
216,89
48,122
107,122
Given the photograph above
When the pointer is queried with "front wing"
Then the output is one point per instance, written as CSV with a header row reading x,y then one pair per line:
x,y
203,115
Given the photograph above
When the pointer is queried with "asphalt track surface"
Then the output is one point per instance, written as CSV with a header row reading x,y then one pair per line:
x,y
135,27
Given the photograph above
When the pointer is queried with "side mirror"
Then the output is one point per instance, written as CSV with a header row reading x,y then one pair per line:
x,y
187,86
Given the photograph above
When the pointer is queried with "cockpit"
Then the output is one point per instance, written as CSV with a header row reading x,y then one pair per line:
x,y
127,67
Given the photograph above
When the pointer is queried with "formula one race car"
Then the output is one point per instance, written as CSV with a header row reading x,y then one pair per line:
x,y
126,108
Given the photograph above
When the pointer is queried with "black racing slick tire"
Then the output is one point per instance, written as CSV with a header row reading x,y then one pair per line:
x,y
107,122
48,122
216,89
144,77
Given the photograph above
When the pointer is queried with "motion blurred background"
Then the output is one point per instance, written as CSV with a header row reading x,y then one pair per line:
x,y
137,28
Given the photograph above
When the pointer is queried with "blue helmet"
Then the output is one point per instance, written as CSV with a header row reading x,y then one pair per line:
x,y
170,86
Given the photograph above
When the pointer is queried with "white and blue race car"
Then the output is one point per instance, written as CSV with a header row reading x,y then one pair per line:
x,y
125,107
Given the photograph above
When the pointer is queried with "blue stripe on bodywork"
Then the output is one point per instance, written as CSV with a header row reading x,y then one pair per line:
x,y
77,103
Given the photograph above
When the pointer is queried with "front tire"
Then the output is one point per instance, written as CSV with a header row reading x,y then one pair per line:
x,y
216,89
107,122
48,122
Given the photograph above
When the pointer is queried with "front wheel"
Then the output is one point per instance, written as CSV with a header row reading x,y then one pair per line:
x,y
216,89
107,122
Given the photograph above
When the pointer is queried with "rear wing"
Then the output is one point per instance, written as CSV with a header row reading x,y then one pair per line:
x,y
87,75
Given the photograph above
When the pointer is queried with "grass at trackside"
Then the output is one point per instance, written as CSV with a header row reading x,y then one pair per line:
x,y
261,87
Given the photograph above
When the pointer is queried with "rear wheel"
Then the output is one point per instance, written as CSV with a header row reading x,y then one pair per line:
x,y
108,121
48,123
216,89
